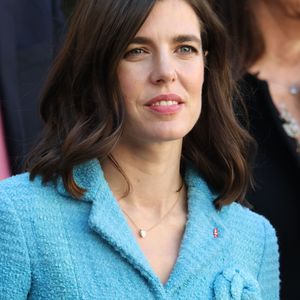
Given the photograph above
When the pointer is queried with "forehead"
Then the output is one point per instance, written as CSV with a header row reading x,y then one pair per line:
x,y
171,17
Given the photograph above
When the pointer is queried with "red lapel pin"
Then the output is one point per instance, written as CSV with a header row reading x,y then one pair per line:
x,y
216,232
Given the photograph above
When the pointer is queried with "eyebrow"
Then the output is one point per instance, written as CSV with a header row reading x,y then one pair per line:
x,y
177,39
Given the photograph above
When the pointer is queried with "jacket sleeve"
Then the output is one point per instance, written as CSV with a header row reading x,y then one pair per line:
x,y
268,276
15,275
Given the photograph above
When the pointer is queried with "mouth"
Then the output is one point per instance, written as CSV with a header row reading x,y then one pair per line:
x,y
165,100
165,104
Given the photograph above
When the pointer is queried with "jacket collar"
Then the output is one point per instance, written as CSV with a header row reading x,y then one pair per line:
x,y
205,235
199,245
107,219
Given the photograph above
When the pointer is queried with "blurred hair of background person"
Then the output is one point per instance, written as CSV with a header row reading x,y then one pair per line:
x,y
265,36
29,34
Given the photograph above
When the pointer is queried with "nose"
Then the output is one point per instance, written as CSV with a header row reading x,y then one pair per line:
x,y
163,70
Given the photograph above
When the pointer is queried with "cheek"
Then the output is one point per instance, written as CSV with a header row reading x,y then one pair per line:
x,y
125,82
130,83
194,85
195,81
129,88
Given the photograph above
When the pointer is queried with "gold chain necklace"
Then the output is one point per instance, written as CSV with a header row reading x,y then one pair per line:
x,y
143,232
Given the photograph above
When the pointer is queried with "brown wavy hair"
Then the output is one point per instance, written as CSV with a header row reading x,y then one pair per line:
x,y
83,110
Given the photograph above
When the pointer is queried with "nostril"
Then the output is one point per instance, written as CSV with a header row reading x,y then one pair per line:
x,y
160,76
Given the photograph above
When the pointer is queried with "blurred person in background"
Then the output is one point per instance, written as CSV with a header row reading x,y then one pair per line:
x,y
265,54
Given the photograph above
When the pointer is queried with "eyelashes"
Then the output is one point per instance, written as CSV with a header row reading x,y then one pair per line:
x,y
134,52
184,50
187,49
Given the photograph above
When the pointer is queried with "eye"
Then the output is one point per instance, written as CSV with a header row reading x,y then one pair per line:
x,y
186,49
134,52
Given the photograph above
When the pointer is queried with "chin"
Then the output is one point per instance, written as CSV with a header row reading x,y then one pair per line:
x,y
157,133
170,135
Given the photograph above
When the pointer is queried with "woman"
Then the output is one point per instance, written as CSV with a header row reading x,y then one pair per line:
x,y
266,55
131,192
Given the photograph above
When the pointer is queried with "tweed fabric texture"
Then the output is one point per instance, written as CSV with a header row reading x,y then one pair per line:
x,y
56,247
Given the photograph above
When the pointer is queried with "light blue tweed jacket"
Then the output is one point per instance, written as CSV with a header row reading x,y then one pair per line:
x,y
55,247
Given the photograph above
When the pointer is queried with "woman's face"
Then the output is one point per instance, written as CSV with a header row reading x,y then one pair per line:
x,y
161,75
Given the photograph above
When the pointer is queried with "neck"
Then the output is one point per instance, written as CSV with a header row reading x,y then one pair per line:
x,y
153,173
280,29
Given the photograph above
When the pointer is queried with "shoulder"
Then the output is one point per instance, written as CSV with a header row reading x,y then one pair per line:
x,y
20,186
252,238
245,227
252,84
35,211
234,216
18,183
15,270
245,222
27,197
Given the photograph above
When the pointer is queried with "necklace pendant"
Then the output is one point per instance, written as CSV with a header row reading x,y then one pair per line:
x,y
142,233
294,90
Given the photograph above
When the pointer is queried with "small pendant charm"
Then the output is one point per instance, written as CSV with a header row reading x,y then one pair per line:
x,y
142,233
216,232
294,90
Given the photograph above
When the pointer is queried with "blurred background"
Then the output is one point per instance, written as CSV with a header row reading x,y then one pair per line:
x,y
31,33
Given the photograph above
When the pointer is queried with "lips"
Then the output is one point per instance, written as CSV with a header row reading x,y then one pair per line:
x,y
164,99
165,104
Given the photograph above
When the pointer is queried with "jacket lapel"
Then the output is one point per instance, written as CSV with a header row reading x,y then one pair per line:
x,y
205,235
107,219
